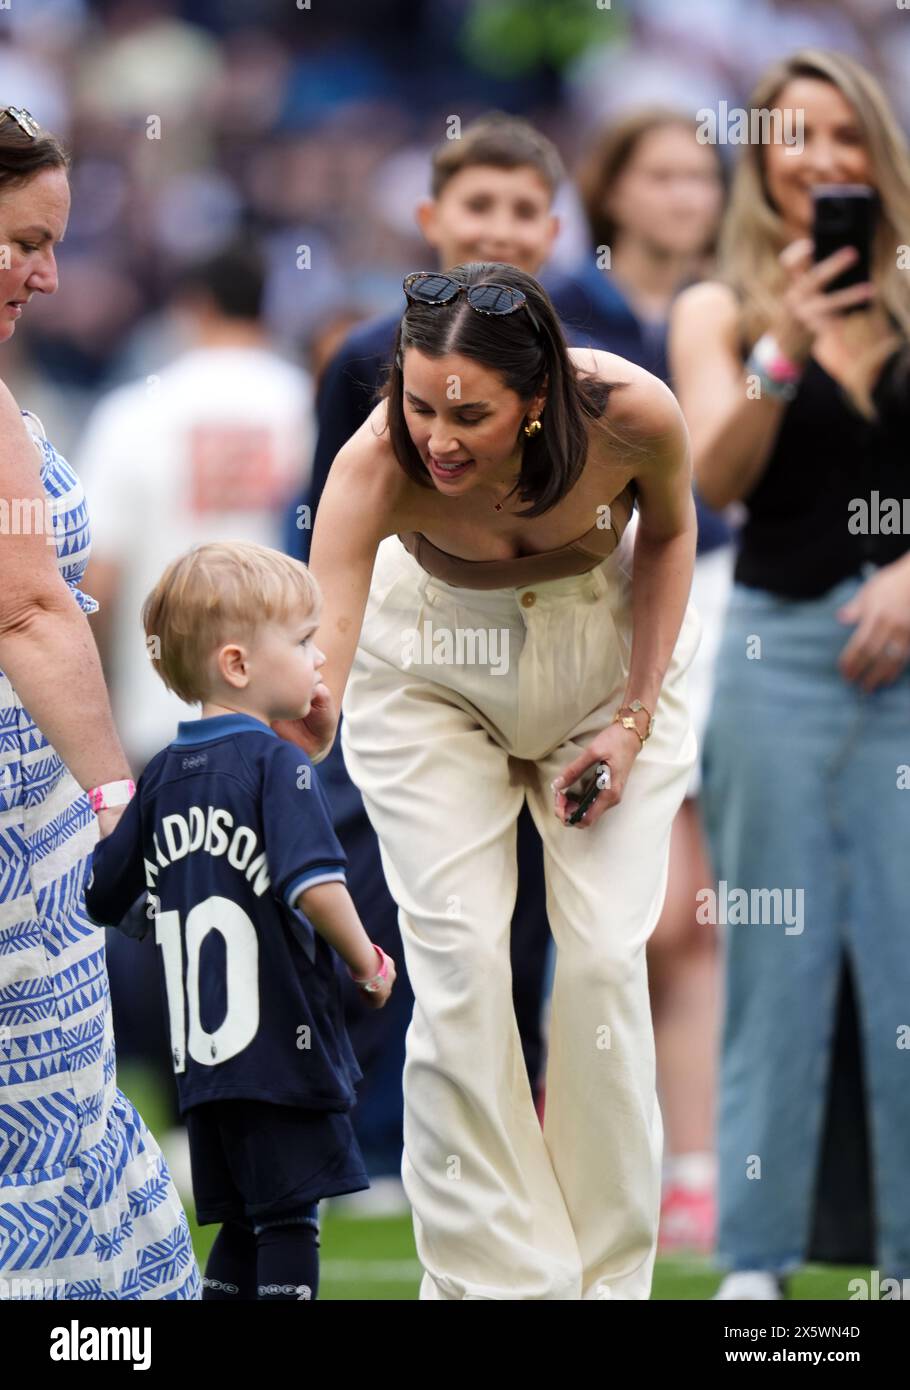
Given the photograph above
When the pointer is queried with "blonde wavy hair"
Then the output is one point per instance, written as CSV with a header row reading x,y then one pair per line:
x,y
754,233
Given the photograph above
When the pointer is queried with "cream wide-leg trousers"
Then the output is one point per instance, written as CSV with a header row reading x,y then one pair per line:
x,y
460,703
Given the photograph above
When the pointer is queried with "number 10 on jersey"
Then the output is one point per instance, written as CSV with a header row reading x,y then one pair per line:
x,y
240,1024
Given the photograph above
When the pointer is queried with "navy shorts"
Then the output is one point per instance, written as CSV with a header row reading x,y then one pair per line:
x,y
260,1164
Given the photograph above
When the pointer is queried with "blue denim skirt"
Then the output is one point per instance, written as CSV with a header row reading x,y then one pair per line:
x,y
806,798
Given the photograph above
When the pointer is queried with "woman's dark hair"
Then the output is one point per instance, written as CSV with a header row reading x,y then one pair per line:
x,y
524,356
22,156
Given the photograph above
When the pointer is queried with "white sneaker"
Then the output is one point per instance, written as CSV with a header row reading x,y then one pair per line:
x,y
750,1284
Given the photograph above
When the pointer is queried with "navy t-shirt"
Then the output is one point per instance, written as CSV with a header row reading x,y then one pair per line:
x,y
228,826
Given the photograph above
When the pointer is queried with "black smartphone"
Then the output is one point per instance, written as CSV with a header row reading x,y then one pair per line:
x,y
596,784
845,215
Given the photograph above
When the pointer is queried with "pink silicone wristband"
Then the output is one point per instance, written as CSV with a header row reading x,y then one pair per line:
x,y
382,972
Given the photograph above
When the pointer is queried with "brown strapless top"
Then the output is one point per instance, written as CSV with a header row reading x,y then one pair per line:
x,y
577,557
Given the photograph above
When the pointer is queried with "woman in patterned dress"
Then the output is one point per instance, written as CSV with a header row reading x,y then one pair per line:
x,y
87,1206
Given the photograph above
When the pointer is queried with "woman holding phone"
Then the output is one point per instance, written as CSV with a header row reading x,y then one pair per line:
x,y
474,549
798,401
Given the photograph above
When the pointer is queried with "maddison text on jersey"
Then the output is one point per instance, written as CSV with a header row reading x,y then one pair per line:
x,y
209,830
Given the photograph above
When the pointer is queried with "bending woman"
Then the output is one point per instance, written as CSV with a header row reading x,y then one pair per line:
x,y
501,648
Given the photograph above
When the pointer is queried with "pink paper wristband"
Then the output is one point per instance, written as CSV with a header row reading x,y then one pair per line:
x,y
111,794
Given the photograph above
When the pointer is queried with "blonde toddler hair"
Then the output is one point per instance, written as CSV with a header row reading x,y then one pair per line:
x,y
215,593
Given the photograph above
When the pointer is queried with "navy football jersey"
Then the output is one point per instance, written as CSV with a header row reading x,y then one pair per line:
x,y
228,825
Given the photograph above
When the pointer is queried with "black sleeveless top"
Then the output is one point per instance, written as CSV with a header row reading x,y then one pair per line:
x,y
799,537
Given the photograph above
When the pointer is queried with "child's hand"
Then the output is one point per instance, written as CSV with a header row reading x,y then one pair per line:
x,y
316,733
381,997
377,997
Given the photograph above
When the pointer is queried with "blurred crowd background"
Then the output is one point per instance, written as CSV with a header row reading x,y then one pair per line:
x,y
312,126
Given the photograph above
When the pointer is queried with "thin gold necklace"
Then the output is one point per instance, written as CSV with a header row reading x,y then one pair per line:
x,y
498,506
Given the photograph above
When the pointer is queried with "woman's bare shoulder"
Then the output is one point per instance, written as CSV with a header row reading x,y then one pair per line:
x,y
366,475
16,427
643,406
708,306
605,366
9,408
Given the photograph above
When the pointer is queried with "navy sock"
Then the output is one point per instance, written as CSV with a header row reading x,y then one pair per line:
x,y
288,1264
230,1272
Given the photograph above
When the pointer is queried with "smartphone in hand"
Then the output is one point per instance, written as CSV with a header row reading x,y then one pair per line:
x,y
845,215
600,780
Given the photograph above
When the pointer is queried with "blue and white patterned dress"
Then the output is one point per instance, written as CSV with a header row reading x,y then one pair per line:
x,y
87,1206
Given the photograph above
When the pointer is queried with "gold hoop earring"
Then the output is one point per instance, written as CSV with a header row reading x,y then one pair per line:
x,y
532,428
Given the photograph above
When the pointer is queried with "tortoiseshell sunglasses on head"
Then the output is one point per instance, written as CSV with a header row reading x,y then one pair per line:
x,y
23,118
430,287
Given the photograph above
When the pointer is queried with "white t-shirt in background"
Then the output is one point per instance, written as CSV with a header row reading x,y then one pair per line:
x,y
212,447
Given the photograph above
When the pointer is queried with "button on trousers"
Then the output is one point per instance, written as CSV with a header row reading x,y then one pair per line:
x,y
461,703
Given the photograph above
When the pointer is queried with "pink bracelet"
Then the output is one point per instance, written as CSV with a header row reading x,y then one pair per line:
x,y
769,357
370,984
111,794
782,369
